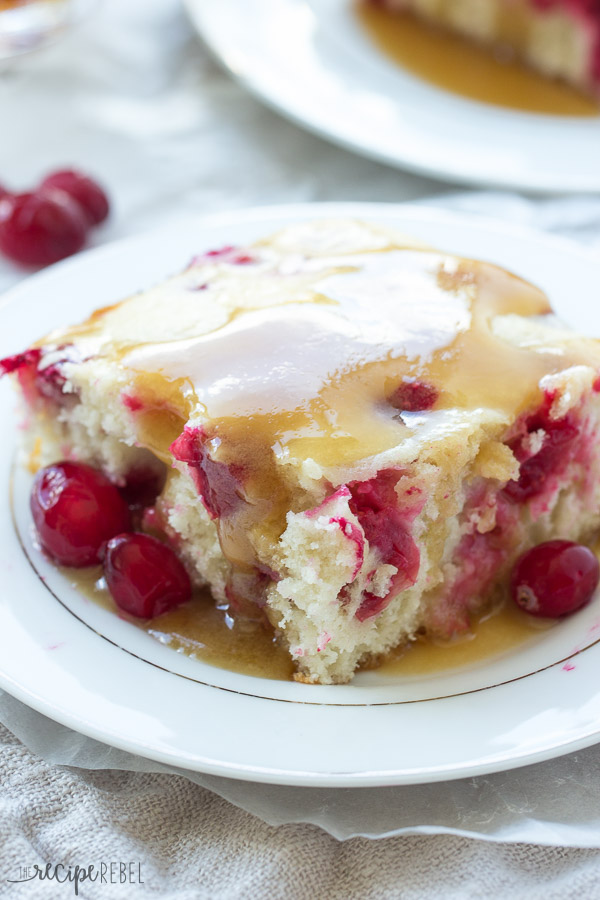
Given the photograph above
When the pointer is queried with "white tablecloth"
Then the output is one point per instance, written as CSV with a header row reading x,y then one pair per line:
x,y
135,99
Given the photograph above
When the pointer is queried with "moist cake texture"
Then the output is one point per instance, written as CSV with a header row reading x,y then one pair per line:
x,y
560,38
359,434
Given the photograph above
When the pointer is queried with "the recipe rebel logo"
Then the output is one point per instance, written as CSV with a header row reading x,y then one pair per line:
x,y
103,873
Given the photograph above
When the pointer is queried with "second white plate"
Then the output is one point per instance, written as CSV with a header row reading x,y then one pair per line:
x,y
311,60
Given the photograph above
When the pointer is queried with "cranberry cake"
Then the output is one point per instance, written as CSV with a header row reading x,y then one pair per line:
x,y
353,436
560,38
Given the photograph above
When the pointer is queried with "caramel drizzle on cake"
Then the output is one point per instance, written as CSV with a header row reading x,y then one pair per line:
x,y
311,371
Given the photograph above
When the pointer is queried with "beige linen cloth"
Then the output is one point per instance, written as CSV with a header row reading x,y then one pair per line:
x,y
192,844
133,97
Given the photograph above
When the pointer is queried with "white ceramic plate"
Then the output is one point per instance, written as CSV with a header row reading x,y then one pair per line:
x,y
311,61
81,665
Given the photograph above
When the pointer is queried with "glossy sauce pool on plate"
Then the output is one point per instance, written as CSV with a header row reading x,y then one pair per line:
x,y
202,630
455,64
207,632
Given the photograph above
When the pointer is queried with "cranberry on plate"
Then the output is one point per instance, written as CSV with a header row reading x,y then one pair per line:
x,y
555,579
144,576
76,510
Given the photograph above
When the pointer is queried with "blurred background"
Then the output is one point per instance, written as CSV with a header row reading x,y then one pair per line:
x,y
131,95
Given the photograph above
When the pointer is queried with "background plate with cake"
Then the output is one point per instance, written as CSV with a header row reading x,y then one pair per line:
x,y
330,67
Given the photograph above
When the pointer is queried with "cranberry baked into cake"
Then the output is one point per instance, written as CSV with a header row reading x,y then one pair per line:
x,y
560,38
359,434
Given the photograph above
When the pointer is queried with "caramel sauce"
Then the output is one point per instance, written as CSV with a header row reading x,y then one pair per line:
x,y
456,64
492,636
206,632
200,629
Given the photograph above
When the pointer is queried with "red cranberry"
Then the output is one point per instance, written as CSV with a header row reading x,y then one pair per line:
x,y
220,252
228,254
30,358
219,484
414,396
51,381
39,229
375,504
555,579
48,380
88,194
144,576
3,192
76,509
559,443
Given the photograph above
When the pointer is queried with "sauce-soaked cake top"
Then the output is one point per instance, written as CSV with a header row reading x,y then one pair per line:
x,y
332,343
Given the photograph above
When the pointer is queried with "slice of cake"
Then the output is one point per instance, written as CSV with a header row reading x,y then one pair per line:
x,y
560,38
359,434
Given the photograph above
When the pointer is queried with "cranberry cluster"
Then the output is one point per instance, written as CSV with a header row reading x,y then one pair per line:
x,y
83,519
42,226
